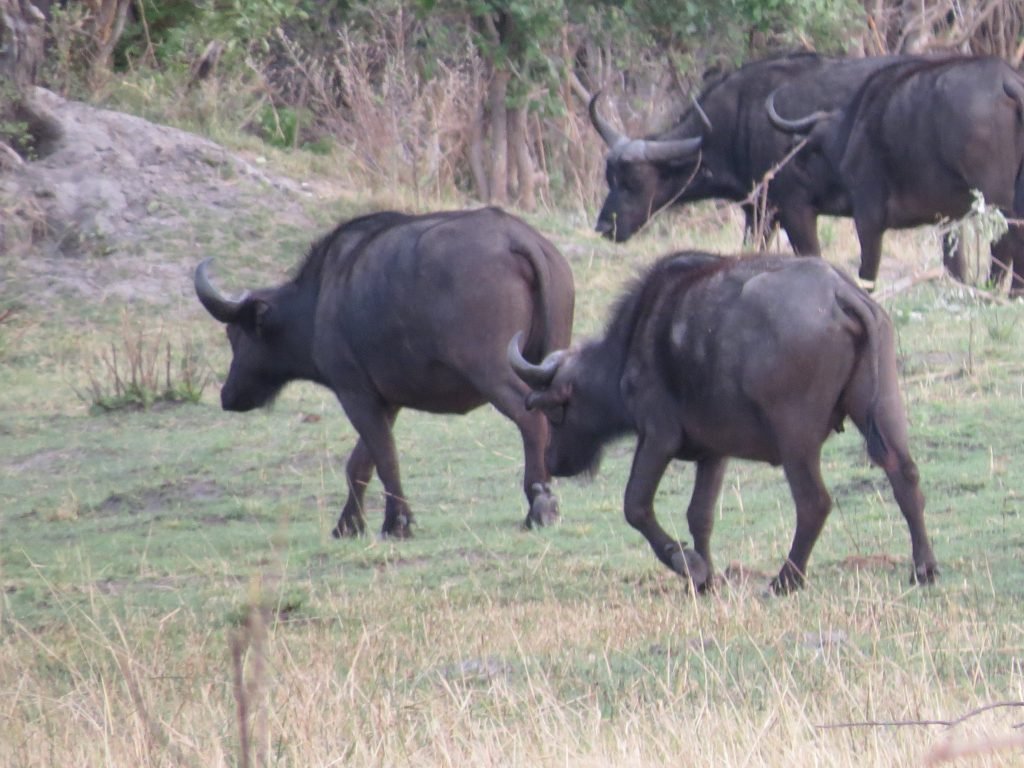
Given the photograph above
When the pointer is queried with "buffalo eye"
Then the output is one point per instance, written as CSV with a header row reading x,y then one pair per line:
x,y
264,319
255,317
555,414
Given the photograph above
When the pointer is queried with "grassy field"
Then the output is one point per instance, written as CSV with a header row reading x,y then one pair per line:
x,y
171,594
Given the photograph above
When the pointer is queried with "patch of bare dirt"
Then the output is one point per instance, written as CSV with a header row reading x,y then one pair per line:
x,y
111,211
876,562
43,461
160,498
737,574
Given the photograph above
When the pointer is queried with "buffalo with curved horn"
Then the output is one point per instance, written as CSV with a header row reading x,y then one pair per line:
x,y
709,358
725,145
915,144
394,311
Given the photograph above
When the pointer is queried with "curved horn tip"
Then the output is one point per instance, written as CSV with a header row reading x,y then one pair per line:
x,y
534,375
608,134
203,266
702,114
218,305
797,125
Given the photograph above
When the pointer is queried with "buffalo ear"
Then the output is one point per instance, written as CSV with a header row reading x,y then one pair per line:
x,y
265,316
549,398
257,316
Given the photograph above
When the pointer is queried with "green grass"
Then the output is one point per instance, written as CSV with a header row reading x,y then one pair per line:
x,y
146,557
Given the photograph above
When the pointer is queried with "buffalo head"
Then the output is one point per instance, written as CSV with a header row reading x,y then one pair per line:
x,y
575,403
642,176
267,351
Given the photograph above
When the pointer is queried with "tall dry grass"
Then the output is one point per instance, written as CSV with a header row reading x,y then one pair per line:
x,y
649,678
401,118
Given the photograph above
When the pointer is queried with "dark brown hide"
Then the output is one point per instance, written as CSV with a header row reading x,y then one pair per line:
x,y
738,147
757,358
393,311
914,143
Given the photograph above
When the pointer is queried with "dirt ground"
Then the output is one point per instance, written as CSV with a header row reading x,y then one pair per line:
x,y
112,210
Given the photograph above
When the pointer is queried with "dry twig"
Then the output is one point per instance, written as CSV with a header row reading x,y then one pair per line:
x,y
904,723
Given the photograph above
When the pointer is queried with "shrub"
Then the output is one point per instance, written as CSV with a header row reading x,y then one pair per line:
x,y
139,369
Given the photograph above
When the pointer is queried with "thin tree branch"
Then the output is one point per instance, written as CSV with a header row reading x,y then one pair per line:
x,y
905,723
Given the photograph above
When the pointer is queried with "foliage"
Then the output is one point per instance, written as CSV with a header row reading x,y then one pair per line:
x,y
162,34
16,134
279,127
976,232
736,30
400,91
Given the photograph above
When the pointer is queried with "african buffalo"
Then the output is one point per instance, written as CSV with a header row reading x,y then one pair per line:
x,y
757,358
915,142
393,310
725,144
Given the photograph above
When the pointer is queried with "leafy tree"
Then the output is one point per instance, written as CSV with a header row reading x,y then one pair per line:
x,y
517,40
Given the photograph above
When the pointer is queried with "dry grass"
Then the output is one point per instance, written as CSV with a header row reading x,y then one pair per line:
x,y
640,679
549,656
140,366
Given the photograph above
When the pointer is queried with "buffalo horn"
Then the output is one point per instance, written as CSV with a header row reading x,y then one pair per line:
x,y
217,304
663,151
536,375
800,124
702,114
611,137
641,150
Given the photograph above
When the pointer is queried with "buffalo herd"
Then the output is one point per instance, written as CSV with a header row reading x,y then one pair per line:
x,y
705,358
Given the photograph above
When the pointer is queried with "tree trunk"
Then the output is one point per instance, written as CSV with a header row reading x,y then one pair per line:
x,y
499,136
26,129
519,147
105,26
476,146
21,43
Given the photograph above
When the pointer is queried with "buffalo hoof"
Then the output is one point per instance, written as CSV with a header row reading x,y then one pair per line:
x,y
349,526
692,566
397,532
925,574
399,528
543,508
788,581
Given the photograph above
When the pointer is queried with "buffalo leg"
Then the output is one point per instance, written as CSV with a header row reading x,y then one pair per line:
x,y
812,507
953,256
533,427
543,504
358,471
1006,252
649,464
869,224
874,404
374,423
885,432
1001,260
1015,238
707,486
801,227
903,476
